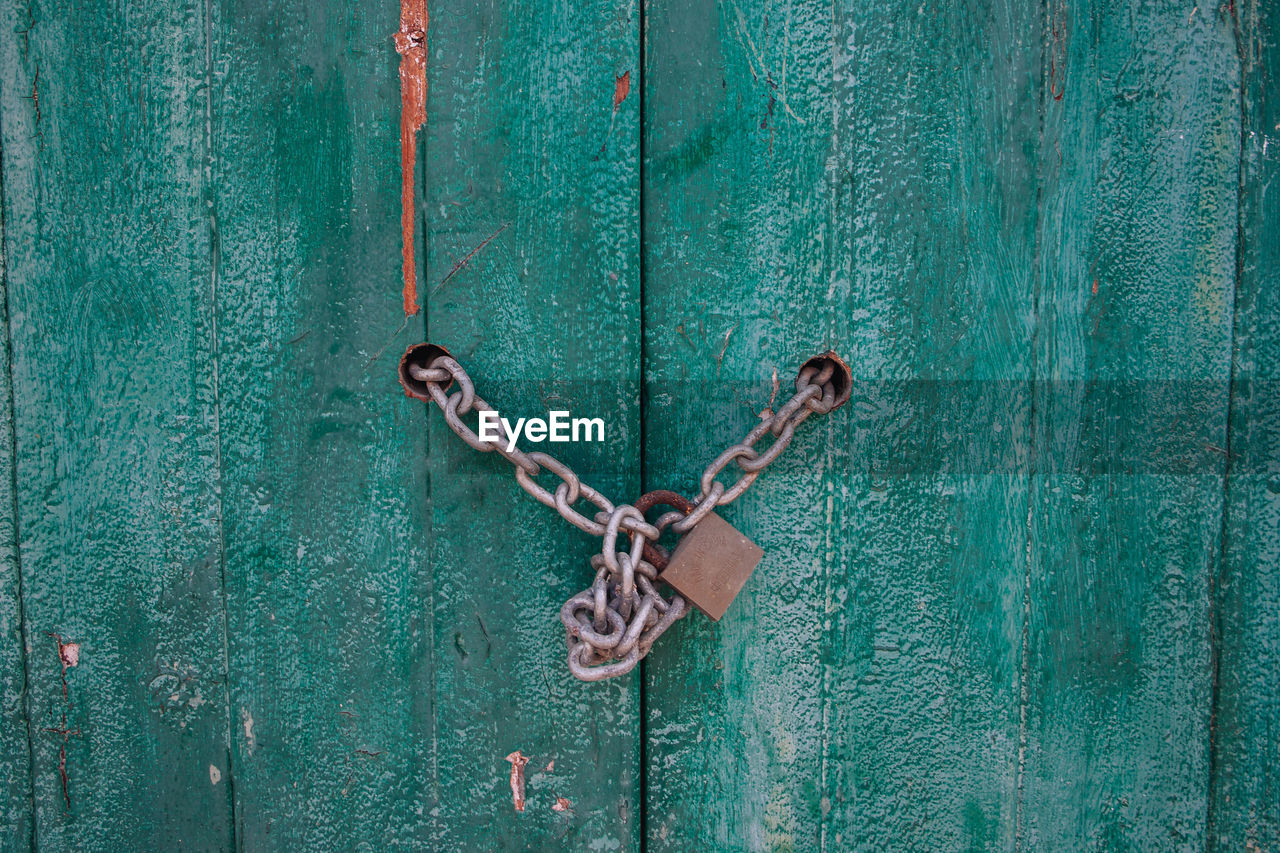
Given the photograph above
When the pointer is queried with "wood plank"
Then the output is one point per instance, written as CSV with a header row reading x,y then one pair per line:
x,y
532,281
323,475
1133,349
1245,803
17,812
861,177
110,313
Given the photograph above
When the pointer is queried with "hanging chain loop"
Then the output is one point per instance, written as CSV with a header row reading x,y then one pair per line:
x,y
612,624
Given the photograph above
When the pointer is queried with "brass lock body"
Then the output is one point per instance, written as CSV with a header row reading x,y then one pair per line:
x,y
711,564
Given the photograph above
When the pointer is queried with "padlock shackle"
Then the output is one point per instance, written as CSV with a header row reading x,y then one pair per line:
x,y
655,556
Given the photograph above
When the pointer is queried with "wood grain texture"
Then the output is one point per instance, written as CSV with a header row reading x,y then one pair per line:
x,y
1245,804
532,281
17,813
323,477
860,177
1133,348
110,315
1021,593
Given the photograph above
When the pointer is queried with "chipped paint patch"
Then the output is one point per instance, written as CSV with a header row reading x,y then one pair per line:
x,y
621,88
779,820
215,775
247,719
518,761
69,653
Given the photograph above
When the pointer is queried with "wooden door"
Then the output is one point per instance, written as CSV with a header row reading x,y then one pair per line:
x,y
1021,593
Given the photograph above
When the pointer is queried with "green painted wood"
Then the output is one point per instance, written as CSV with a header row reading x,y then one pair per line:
x,y
861,177
107,250
322,455
17,812
1245,804
987,611
1133,347
532,280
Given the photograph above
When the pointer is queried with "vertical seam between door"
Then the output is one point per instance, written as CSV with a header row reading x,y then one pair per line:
x,y
643,402
214,261
1219,565
1033,432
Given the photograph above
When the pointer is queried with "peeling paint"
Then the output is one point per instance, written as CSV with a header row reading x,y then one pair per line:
x,y
411,44
621,88
518,761
68,656
69,653
247,719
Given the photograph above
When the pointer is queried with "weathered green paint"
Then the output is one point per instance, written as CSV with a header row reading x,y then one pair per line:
x,y
111,321
861,177
998,585
322,472
1133,350
1245,802
16,813
524,142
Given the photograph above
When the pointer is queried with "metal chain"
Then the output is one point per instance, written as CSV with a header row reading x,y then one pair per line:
x,y
613,623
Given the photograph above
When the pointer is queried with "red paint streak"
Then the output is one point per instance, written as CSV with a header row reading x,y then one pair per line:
x,y
1095,286
411,44
66,734
68,655
621,88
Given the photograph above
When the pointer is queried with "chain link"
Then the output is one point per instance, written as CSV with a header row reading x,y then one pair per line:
x,y
612,624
